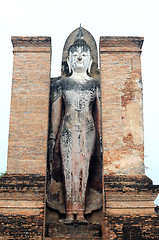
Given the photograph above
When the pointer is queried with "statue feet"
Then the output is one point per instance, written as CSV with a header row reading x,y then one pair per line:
x,y
69,219
80,219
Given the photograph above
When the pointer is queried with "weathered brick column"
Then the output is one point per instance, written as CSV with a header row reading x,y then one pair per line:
x,y
129,195
122,113
27,151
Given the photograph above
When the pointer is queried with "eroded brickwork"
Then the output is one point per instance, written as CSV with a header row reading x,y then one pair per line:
x,y
132,228
129,208
22,206
128,194
27,150
121,95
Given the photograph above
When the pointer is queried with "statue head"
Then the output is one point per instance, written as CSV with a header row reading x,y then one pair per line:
x,y
79,55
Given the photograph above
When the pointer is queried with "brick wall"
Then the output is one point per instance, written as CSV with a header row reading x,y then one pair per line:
x,y
129,210
22,206
132,228
121,90
128,201
28,131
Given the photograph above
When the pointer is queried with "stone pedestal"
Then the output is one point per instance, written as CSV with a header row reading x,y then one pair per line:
x,y
28,131
74,231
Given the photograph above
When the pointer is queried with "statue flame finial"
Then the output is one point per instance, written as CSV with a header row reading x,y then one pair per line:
x,y
79,34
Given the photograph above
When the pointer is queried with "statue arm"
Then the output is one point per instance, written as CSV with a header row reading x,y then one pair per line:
x,y
56,110
55,117
98,112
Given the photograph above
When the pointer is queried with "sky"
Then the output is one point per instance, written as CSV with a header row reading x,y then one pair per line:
x,y
57,19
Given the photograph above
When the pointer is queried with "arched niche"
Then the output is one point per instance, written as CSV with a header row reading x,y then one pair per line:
x,y
94,53
55,191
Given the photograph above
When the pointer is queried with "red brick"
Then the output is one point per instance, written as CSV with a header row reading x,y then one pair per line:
x,y
27,150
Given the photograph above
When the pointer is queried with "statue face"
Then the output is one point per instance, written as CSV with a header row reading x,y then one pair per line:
x,y
79,60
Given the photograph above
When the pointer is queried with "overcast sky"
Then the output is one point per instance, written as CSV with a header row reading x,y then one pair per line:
x,y
58,18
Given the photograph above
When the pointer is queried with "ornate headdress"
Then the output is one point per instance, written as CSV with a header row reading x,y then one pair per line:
x,y
79,42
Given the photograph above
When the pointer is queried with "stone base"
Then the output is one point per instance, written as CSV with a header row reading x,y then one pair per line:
x,y
73,231
22,206
129,208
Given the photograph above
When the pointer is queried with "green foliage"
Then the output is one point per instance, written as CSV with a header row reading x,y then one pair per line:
x,y
1,174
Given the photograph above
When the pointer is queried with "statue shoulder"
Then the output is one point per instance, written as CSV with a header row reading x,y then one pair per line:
x,y
56,87
97,87
55,83
96,82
